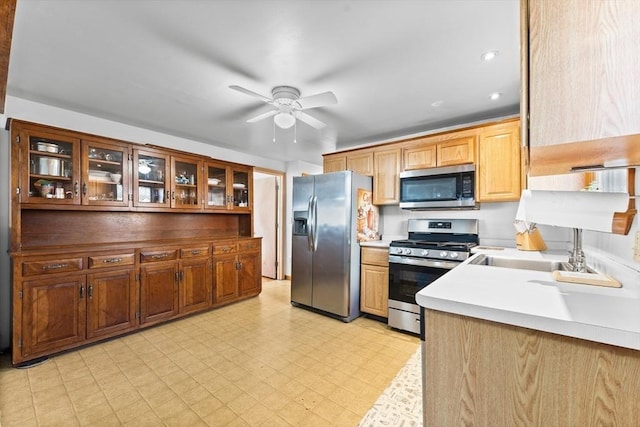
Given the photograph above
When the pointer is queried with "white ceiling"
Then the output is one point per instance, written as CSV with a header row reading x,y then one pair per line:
x,y
166,65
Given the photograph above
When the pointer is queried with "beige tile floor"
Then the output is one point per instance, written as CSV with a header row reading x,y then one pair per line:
x,y
259,362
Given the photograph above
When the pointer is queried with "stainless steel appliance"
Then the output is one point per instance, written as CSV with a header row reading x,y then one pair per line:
x,y
434,247
438,188
325,264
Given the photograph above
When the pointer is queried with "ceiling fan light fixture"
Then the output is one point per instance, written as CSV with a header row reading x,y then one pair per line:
x,y
284,120
489,55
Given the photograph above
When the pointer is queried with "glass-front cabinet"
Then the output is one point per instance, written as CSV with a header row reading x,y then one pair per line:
x,y
105,174
51,169
151,171
228,187
185,183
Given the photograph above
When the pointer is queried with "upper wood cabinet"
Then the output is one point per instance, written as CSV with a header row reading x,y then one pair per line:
x,y
442,150
583,88
334,163
499,171
105,173
361,162
386,176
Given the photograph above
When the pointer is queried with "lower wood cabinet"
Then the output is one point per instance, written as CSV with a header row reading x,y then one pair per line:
x,y
374,281
67,300
237,270
53,315
111,302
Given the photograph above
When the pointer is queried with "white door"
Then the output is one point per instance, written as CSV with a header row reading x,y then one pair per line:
x,y
265,196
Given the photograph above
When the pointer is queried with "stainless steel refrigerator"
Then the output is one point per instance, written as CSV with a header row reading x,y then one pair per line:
x,y
325,264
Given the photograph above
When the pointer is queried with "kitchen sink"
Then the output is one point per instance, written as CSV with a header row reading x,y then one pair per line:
x,y
522,264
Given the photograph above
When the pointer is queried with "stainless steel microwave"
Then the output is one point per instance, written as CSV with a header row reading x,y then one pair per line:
x,y
451,187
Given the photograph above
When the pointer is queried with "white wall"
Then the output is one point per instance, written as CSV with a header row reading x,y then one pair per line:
x,y
495,224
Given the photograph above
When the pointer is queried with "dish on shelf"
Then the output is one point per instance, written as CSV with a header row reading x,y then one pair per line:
x,y
213,181
238,185
47,147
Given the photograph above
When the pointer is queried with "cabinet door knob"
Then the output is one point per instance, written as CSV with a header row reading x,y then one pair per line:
x,y
81,291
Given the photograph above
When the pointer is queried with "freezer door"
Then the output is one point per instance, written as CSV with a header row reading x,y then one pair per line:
x,y
301,255
331,259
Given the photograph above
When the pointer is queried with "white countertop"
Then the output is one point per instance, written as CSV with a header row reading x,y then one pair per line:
x,y
376,243
532,299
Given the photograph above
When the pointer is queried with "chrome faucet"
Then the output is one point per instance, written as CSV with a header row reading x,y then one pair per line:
x,y
576,256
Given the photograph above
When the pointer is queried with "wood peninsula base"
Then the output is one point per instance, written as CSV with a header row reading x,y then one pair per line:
x,y
483,373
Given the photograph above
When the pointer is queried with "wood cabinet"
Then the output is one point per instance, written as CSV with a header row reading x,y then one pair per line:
x,y
386,176
374,281
228,187
121,239
53,315
582,87
237,270
499,169
195,280
456,148
491,374
334,163
158,286
112,302
361,162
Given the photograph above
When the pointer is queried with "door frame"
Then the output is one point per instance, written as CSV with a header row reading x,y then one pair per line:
x,y
280,231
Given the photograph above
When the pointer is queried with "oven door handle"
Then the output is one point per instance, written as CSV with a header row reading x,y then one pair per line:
x,y
447,265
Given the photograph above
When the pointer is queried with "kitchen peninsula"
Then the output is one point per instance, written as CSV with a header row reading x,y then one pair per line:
x,y
506,346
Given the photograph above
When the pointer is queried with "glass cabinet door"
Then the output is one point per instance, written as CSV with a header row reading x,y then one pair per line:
x,y
51,170
185,192
241,189
105,174
217,194
150,178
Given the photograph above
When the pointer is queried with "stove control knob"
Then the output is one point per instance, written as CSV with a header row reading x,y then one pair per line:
x,y
453,255
398,250
407,251
424,252
443,254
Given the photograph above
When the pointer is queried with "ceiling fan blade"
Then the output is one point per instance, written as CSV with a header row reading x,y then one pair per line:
x,y
250,93
311,121
319,100
262,116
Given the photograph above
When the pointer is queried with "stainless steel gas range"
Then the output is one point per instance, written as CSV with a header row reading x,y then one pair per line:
x,y
434,247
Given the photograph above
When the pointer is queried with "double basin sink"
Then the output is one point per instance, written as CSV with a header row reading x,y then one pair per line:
x,y
523,264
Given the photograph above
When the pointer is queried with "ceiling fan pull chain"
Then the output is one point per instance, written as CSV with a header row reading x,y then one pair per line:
x,y
295,132
274,130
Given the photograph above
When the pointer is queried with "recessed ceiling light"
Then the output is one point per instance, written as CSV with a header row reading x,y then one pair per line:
x,y
437,103
495,95
489,55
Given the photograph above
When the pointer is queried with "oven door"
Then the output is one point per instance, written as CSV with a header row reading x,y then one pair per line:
x,y
407,276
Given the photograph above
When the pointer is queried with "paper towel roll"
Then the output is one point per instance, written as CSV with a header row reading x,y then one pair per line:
x,y
589,210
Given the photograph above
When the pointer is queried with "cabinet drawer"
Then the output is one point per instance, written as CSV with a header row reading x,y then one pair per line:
x,y
199,252
251,245
33,268
375,256
103,261
222,248
155,256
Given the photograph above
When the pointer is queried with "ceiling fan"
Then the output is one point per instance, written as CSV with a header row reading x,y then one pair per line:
x,y
289,105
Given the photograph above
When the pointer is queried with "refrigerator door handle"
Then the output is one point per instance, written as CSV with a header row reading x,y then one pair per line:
x,y
310,223
315,224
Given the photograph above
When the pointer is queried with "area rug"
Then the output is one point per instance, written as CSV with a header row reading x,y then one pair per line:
x,y
401,402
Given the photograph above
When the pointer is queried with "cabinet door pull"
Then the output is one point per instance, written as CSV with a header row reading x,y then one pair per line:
x,y
81,291
196,252
75,188
182,276
158,256
111,260
54,266
84,189
90,291
177,277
